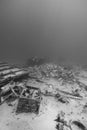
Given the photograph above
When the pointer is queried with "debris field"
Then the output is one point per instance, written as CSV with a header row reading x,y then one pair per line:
x,y
53,96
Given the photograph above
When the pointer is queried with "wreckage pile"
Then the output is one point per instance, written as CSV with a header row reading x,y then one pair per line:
x,y
43,68
51,70
13,86
58,72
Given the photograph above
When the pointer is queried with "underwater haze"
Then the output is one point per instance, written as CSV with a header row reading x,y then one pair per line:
x,y
52,28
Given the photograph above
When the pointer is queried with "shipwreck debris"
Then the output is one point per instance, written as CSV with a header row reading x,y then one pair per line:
x,y
29,100
61,122
28,97
5,81
26,105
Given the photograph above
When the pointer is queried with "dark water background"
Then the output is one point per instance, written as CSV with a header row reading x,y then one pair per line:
x,y
52,28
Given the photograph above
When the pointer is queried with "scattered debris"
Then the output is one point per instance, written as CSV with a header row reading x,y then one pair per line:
x,y
72,125
64,94
63,100
62,124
